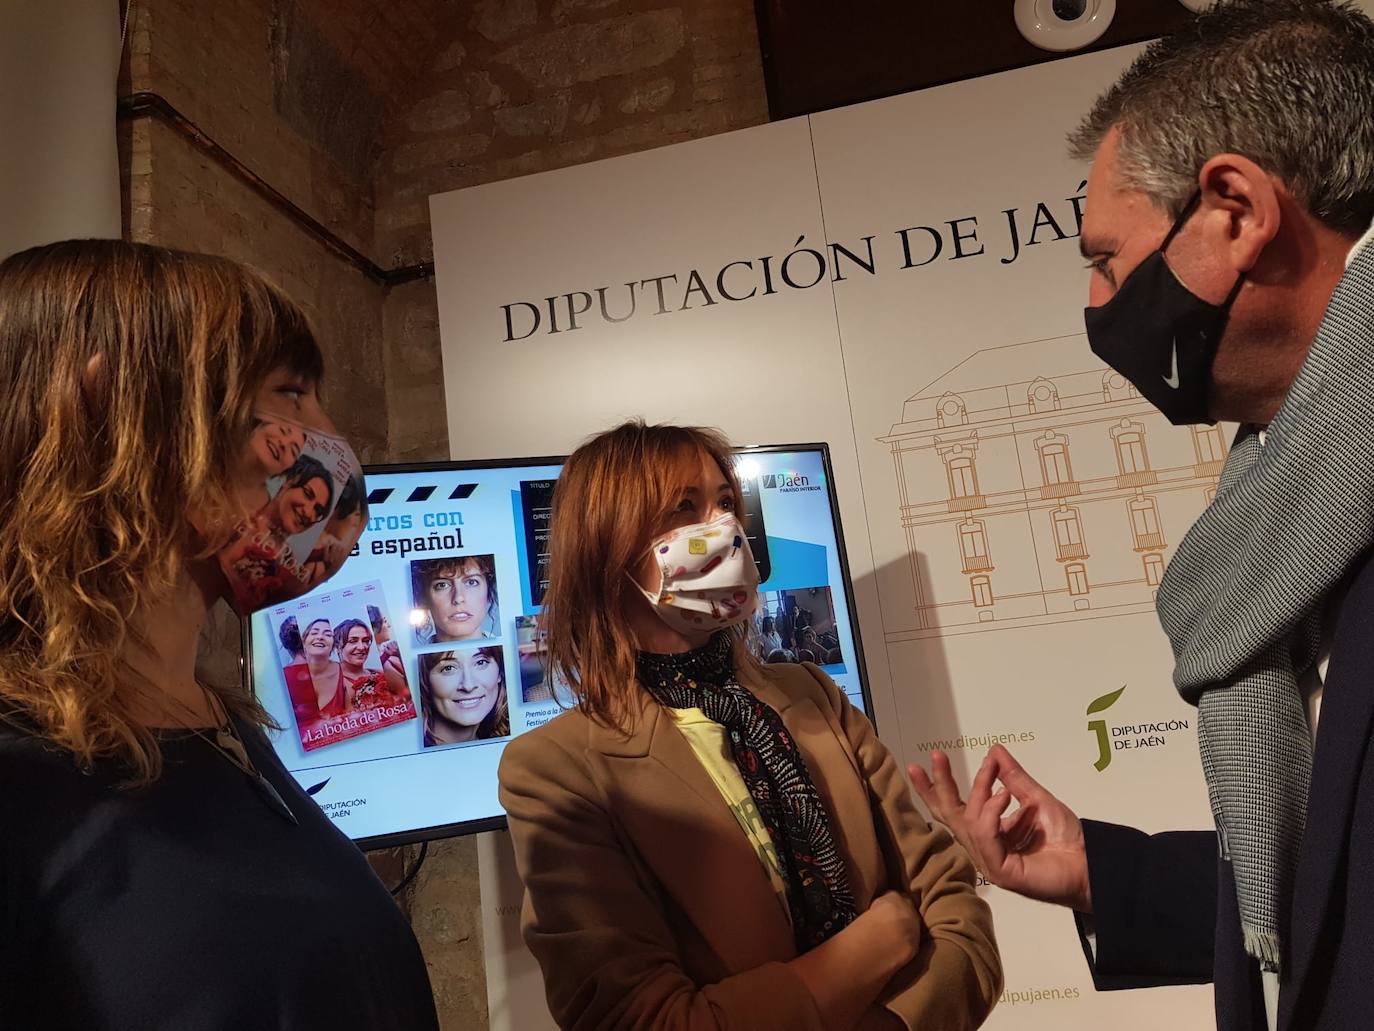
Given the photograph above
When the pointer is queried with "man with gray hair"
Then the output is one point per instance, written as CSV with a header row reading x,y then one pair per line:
x,y
1227,229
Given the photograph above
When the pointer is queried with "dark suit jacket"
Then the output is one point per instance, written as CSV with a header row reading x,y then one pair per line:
x,y
1164,907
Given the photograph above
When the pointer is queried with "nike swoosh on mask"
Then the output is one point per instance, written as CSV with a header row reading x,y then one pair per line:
x,y
1172,379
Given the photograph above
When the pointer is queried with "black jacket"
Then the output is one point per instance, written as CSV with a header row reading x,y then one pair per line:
x,y
1164,906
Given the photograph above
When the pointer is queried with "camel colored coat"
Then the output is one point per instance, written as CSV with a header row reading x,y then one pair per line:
x,y
647,907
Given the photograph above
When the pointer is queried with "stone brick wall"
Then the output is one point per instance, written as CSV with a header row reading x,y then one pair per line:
x,y
526,86
357,111
224,67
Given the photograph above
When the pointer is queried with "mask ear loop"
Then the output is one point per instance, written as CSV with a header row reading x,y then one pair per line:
x,y
652,596
1235,292
1182,219
1183,216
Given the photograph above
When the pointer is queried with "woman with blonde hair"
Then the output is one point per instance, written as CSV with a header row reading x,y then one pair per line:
x,y
707,842
159,867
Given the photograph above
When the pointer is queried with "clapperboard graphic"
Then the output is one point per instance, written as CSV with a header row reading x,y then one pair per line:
x,y
424,492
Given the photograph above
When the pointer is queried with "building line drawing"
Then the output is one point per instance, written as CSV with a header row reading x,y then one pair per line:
x,y
1036,485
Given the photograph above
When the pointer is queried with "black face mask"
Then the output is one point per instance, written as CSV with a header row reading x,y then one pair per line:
x,y
1161,336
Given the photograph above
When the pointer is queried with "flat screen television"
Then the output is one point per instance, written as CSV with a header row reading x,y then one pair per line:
x,y
441,600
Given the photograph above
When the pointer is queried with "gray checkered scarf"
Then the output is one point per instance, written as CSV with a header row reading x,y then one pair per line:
x,y
1243,600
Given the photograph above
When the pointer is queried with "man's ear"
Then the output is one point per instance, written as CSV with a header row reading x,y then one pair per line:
x,y
1241,203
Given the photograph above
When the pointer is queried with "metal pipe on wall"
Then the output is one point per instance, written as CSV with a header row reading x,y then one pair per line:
x,y
147,104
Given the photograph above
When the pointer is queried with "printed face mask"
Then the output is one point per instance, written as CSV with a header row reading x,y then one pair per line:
x,y
710,580
306,519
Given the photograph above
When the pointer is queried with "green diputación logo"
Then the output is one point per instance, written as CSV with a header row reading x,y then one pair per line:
x,y
1099,727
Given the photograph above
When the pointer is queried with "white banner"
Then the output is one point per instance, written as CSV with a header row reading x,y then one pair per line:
x,y
899,279
515,987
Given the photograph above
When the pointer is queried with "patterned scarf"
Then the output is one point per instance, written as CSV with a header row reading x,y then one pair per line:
x,y
1243,600
774,771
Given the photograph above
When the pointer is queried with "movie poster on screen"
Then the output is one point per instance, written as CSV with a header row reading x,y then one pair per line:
x,y
901,280
341,666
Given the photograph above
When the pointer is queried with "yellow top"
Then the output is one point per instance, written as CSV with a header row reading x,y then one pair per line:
x,y
708,741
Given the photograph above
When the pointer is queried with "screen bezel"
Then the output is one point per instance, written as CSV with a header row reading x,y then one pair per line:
x,y
493,823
